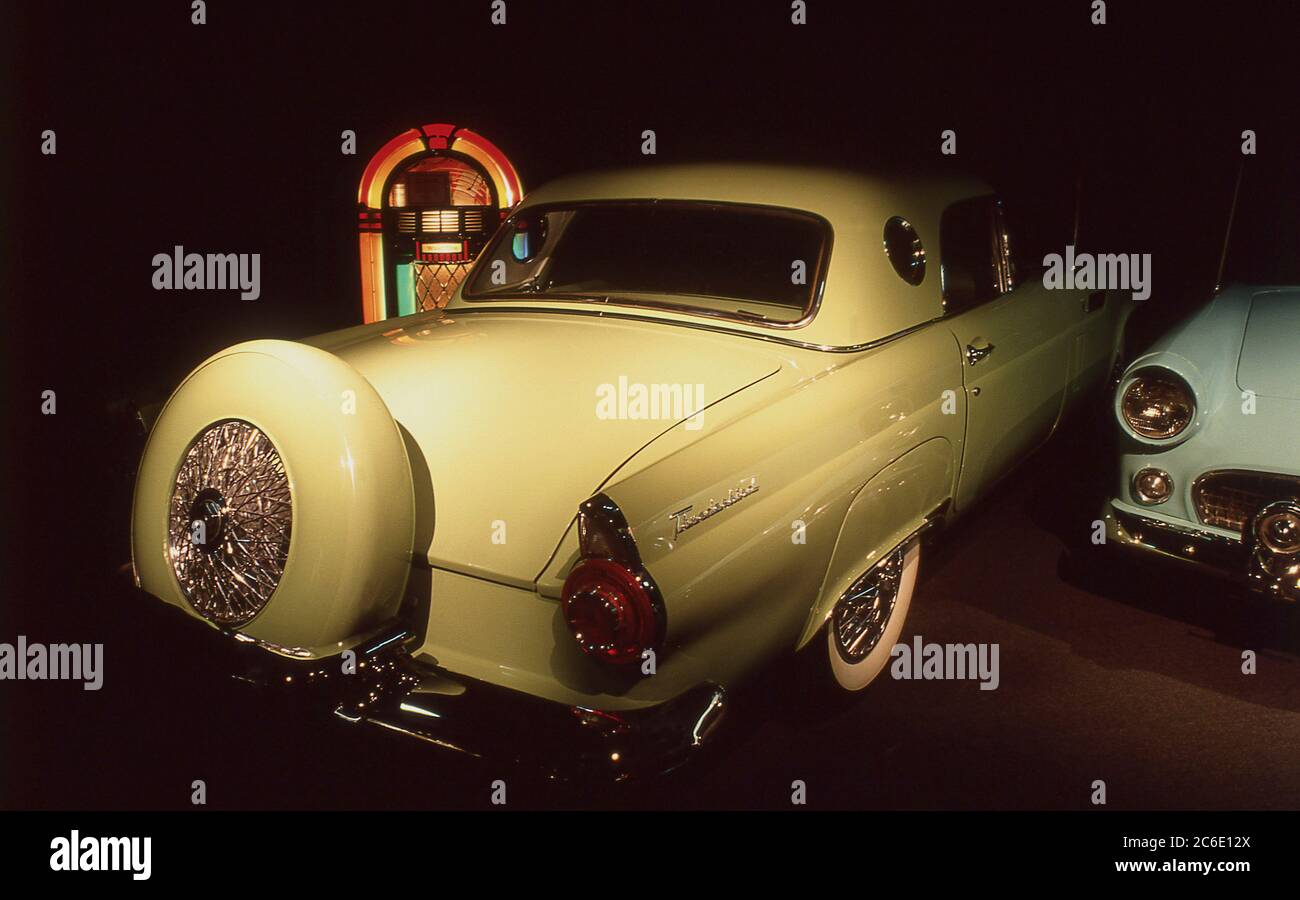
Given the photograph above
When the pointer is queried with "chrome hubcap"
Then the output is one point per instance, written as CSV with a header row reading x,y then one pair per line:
x,y
862,614
229,523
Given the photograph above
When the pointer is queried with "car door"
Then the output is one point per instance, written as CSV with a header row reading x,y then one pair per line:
x,y
1091,314
1014,336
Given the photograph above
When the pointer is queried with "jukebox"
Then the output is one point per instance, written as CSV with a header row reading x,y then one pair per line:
x,y
428,202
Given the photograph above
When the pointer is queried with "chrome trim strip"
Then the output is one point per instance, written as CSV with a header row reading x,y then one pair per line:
x,y
702,326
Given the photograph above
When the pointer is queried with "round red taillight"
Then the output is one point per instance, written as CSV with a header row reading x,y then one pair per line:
x,y
610,610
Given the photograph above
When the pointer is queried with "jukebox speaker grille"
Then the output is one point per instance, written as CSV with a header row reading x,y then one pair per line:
x,y
435,283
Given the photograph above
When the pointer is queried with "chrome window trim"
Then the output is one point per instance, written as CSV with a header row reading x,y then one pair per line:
x,y
1002,248
810,312
995,224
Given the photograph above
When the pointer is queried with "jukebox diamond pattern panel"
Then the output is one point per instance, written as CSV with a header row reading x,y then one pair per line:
x,y
436,282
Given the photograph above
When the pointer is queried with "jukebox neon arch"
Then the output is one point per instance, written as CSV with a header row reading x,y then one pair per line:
x,y
428,202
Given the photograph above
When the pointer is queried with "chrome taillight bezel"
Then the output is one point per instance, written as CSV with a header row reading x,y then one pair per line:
x,y
608,554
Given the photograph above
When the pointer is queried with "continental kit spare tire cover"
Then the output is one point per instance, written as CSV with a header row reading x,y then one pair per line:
x,y
274,499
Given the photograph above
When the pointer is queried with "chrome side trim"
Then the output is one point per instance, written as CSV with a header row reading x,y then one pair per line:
x,y
702,326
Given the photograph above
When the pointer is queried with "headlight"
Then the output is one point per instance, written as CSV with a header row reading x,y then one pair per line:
x,y
1158,405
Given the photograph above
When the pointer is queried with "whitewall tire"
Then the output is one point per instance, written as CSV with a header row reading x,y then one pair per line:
x,y
865,623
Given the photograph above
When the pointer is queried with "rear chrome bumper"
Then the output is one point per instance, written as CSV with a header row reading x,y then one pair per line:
x,y
1230,557
417,698
382,683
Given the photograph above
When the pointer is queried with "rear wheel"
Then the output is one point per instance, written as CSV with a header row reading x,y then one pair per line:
x,y
865,623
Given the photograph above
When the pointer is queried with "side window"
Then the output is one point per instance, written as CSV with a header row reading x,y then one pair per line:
x,y
970,269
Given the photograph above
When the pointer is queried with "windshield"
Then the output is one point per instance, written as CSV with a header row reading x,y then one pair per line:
x,y
1264,247
750,263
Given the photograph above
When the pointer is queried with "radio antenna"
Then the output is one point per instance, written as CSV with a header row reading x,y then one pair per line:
x,y
1227,235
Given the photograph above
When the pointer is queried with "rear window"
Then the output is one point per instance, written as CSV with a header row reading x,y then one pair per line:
x,y
751,263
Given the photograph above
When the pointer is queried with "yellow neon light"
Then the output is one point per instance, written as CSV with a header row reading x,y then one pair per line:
x,y
375,199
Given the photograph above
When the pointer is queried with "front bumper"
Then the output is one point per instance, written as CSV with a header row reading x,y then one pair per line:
x,y
1171,539
383,680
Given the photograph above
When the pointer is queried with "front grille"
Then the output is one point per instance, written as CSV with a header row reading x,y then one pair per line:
x,y
1231,499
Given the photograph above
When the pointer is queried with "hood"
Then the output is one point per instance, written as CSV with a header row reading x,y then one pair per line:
x,y
1270,351
521,416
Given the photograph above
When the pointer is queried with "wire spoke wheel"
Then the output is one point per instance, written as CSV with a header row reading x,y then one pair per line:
x,y
861,615
229,522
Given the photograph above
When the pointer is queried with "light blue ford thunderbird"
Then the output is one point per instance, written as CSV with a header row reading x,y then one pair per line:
x,y
1209,468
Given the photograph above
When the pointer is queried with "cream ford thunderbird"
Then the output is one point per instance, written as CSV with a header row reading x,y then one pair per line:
x,y
676,423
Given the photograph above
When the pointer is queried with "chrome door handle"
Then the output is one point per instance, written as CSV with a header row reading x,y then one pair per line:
x,y
975,354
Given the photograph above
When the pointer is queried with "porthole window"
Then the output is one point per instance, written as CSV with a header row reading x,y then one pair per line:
x,y
904,249
529,235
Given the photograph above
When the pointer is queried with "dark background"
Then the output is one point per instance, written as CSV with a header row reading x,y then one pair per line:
x,y
225,138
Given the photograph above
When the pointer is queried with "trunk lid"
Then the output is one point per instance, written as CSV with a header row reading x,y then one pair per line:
x,y
522,416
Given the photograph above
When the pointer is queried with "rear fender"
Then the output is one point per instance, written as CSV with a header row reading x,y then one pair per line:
x,y
894,504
